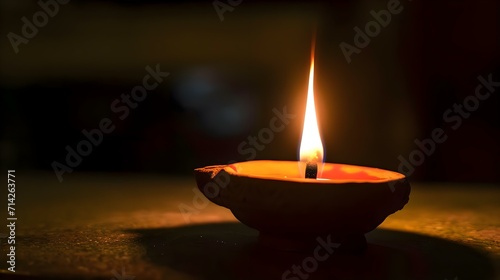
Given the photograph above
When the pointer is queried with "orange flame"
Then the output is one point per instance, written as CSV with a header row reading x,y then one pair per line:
x,y
311,147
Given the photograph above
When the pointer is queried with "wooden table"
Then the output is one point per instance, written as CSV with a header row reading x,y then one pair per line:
x,y
122,226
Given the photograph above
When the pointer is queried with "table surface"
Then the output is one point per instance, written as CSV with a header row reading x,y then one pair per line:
x,y
122,226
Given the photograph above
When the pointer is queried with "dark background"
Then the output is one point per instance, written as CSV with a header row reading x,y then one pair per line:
x,y
227,76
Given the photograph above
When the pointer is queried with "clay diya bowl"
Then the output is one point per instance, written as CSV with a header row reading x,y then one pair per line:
x,y
290,211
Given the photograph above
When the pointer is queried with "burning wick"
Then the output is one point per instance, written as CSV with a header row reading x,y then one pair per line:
x,y
311,170
311,148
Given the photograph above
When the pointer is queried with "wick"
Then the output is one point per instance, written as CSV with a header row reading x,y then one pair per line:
x,y
311,170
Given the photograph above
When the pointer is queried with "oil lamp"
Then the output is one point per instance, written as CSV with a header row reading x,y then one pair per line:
x,y
292,203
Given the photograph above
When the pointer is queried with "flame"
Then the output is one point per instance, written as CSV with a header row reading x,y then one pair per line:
x,y
311,148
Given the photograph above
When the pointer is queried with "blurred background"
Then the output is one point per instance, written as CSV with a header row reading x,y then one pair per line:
x,y
230,64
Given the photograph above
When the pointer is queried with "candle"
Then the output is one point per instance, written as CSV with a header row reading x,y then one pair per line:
x,y
292,203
